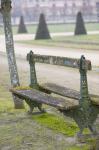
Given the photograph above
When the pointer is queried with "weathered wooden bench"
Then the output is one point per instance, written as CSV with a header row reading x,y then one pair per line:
x,y
81,106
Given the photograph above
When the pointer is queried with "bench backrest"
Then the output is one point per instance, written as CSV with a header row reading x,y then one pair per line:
x,y
57,60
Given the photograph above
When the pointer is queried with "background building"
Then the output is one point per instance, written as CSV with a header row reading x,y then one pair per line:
x,y
56,11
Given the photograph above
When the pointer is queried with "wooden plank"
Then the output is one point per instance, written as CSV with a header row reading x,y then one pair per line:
x,y
61,61
35,95
63,91
67,92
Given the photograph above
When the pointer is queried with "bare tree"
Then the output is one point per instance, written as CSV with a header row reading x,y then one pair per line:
x,y
6,13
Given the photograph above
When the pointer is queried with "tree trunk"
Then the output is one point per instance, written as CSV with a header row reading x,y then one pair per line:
x,y
6,13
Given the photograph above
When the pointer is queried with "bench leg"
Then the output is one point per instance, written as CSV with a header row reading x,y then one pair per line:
x,y
93,129
30,111
32,105
79,134
40,108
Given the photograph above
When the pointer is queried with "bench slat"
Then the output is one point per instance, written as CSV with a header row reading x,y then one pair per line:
x,y
67,92
61,61
35,95
63,91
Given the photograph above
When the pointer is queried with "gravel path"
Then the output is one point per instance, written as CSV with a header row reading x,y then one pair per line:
x,y
23,49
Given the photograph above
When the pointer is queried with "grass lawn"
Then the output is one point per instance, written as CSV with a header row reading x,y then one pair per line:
x,y
57,28
89,42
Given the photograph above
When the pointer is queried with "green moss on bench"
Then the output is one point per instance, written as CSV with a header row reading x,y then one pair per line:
x,y
22,88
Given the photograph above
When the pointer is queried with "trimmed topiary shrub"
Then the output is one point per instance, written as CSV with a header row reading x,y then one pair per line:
x,y
80,27
22,27
42,30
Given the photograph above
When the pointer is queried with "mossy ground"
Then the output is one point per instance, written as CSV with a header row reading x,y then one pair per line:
x,y
57,123
19,131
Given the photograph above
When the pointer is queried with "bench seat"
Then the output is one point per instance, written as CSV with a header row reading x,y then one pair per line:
x,y
41,97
